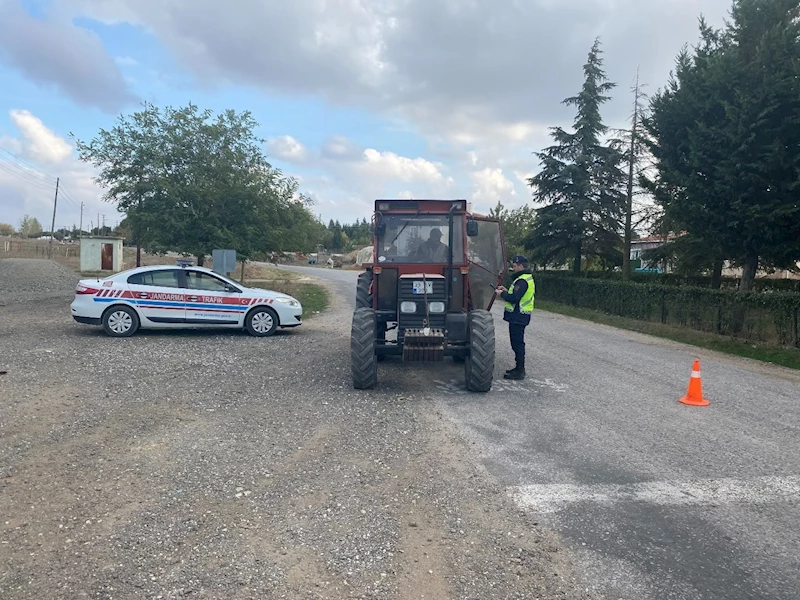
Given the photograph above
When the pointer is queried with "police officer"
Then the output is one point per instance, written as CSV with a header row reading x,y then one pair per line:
x,y
518,309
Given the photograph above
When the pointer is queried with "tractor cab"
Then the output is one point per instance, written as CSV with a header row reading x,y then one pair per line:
x,y
431,281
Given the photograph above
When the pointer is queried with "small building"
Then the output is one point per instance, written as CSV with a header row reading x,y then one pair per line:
x,y
101,253
641,245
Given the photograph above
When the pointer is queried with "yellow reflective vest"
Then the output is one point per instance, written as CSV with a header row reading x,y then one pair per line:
x,y
527,300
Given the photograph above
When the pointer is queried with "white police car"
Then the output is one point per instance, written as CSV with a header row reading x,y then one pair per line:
x,y
164,296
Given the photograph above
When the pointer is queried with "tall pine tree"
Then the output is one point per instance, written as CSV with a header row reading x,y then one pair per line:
x,y
726,137
581,182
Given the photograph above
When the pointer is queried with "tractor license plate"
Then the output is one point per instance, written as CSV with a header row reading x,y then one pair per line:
x,y
418,289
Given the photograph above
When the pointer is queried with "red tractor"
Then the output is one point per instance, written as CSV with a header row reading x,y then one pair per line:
x,y
431,281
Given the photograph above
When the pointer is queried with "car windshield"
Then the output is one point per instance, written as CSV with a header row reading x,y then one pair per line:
x,y
420,239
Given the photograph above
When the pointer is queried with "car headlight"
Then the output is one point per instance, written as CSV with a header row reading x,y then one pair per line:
x,y
436,307
290,301
408,307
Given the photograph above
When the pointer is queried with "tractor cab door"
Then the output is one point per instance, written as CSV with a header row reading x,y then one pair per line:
x,y
487,262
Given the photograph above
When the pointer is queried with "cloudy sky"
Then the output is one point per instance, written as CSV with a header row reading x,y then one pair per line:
x,y
359,99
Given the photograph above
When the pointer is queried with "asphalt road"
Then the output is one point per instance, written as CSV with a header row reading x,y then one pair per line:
x,y
657,500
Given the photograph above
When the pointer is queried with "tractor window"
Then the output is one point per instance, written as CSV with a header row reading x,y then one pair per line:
x,y
487,262
420,239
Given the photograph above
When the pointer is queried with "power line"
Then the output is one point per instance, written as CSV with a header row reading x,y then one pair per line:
x,y
36,179
28,171
30,181
68,196
23,161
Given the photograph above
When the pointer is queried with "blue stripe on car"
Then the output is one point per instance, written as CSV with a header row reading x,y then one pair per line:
x,y
157,304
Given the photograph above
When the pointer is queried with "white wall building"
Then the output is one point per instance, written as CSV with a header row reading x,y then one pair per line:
x,y
99,253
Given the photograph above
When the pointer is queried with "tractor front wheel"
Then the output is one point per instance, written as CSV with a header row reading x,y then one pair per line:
x,y
363,295
479,365
363,361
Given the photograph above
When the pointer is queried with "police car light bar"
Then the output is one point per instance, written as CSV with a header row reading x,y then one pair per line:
x,y
185,262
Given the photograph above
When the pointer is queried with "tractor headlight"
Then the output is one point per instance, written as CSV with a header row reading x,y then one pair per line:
x,y
408,307
436,307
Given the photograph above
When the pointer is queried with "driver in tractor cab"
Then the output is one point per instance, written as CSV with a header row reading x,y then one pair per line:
x,y
433,250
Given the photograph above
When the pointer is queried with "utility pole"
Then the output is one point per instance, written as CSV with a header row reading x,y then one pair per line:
x,y
80,227
104,225
53,224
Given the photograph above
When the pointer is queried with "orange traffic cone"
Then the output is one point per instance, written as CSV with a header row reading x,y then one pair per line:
x,y
694,396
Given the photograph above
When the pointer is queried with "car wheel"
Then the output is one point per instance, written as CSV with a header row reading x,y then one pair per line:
x,y
120,321
261,322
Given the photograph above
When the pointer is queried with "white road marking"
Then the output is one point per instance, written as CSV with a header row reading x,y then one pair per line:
x,y
709,492
457,386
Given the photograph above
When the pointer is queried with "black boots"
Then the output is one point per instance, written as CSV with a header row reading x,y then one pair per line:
x,y
515,373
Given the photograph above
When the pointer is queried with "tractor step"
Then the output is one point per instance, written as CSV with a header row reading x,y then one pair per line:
x,y
423,345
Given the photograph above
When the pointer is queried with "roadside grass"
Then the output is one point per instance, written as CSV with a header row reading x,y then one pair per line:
x,y
312,296
785,357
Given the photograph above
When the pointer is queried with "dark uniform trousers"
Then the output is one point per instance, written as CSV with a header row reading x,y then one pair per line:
x,y
516,331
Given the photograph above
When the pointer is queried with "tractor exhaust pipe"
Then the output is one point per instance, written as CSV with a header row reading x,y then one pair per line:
x,y
450,257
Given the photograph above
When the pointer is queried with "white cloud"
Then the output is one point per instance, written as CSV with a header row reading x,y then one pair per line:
x,y
39,142
354,177
523,176
391,167
29,165
126,61
287,148
338,147
481,82
491,186
54,52
469,71
11,144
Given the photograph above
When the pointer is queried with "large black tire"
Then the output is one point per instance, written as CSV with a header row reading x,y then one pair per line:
x,y
363,297
363,361
479,365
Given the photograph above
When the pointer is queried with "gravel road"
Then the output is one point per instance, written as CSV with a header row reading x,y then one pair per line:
x,y
217,465
31,279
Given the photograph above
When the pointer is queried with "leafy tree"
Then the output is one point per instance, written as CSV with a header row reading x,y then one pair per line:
x,y
6,229
30,227
726,137
516,223
191,181
581,182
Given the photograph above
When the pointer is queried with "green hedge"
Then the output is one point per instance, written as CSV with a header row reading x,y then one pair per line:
x,y
728,283
766,317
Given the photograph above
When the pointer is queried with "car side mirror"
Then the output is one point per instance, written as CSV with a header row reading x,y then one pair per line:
x,y
229,288
380,229
472,228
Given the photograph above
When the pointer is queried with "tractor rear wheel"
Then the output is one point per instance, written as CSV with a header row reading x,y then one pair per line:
x,y
479,365
363,296
363,361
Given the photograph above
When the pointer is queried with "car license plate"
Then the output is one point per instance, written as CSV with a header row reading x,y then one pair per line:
x,y
418,289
